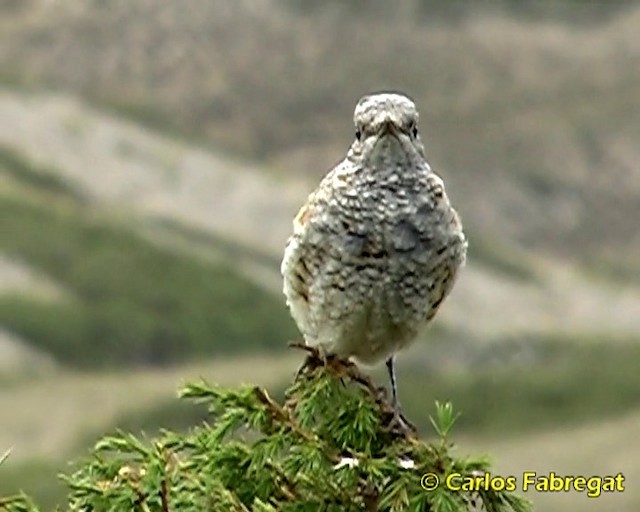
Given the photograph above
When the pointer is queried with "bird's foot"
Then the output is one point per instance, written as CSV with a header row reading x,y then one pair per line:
x,y
341,367
317,356
400,422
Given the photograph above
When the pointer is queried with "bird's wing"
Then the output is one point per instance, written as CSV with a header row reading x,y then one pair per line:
x,y
304,249
308,247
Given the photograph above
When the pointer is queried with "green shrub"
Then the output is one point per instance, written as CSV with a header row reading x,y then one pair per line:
x,y
332,445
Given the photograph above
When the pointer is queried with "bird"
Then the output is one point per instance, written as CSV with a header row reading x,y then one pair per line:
x,y
377,246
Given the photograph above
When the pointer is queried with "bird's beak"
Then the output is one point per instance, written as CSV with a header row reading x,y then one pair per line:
x,y
388,127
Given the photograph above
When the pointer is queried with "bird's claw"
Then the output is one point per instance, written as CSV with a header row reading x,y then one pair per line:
x,y
401,422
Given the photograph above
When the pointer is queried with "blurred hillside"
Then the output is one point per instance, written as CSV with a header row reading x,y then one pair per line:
x,y
152,156
529,119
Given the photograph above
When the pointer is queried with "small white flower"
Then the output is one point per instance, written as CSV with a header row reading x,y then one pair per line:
x,y
406,463
347,461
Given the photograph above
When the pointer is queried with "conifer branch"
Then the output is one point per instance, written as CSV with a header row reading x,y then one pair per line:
x,y
331,445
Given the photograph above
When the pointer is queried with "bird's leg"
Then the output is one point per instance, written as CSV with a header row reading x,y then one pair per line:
x,y
397,410
311,361
316,356
391,369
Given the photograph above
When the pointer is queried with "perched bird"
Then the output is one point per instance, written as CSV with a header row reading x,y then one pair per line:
x,y
377,246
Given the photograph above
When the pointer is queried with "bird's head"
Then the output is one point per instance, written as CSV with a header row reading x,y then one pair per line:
x,y
386,130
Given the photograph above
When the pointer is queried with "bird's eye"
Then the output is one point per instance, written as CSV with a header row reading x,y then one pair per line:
x,y
358,134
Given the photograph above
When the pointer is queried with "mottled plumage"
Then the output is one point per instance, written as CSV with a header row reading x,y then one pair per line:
x,y
377,246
